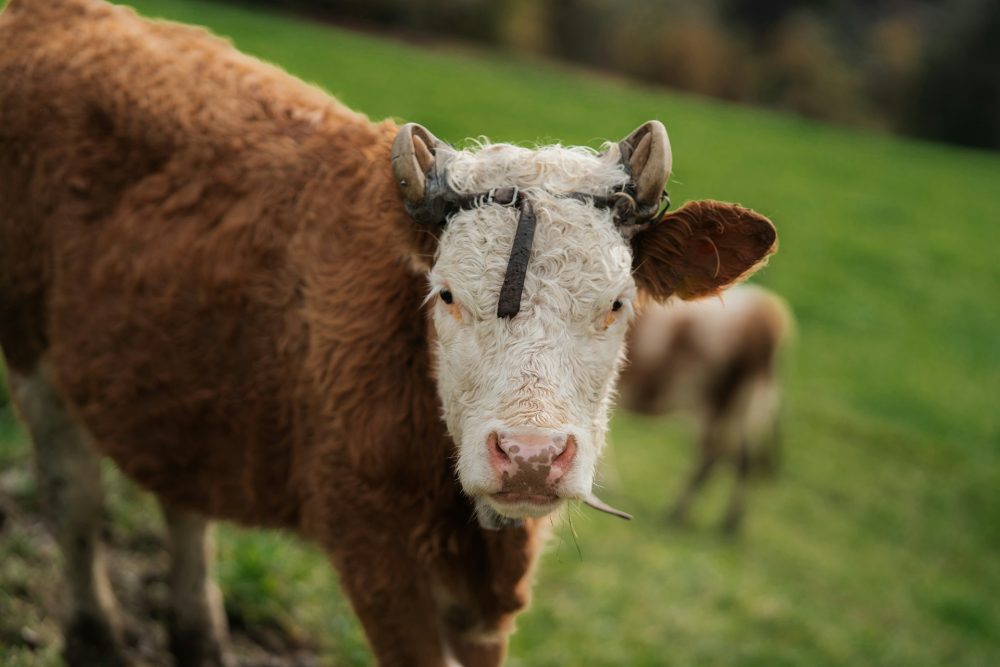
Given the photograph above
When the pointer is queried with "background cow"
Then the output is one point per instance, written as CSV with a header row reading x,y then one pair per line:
x,y
716,359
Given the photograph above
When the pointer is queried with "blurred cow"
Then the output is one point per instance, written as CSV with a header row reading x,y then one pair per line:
x,y
716,359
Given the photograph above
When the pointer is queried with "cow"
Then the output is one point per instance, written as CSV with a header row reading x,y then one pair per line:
x,y
267,309
716,359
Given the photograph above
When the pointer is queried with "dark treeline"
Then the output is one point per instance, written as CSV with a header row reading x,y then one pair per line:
x,y
929,68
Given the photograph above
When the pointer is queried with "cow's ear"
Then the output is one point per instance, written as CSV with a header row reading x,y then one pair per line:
x,y
701,248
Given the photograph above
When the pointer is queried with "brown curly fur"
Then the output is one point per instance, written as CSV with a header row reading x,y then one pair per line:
x,y
215,261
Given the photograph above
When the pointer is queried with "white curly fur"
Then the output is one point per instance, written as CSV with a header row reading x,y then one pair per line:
x,y
557,169
554,365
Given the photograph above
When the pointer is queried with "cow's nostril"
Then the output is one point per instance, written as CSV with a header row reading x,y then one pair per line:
x,y
493,444
562,462
568,452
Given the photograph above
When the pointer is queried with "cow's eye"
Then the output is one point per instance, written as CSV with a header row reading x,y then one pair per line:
x,y
450,305
611,316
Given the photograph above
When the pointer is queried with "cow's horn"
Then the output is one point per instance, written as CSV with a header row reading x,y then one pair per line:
x,y
418,164
646,155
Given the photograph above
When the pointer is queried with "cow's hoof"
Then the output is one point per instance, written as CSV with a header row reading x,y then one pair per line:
x,y
198,648
90,640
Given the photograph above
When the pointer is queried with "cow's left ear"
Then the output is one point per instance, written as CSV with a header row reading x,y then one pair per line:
x,y
701,248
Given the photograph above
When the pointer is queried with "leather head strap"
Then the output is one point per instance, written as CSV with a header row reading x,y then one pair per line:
x,y
509,303
627,218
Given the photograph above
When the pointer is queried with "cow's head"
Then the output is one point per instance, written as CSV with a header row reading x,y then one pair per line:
x,y
526,372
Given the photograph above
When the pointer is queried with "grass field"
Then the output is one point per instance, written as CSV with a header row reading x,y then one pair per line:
x,y
880,542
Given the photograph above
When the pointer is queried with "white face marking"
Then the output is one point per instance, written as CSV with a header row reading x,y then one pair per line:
x,y
553,366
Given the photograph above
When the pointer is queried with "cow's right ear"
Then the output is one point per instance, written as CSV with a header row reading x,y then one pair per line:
x,y
700,249
419,160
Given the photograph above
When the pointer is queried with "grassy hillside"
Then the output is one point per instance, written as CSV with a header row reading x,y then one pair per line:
x,y
879,543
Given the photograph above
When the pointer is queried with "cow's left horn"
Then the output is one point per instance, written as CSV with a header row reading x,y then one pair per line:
x,y
646,155
418,163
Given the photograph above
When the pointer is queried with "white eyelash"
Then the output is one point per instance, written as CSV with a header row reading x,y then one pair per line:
x,y
434,292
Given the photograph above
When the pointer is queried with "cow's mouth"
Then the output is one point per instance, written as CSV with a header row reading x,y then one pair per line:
x,y
515,498
508,509
522,504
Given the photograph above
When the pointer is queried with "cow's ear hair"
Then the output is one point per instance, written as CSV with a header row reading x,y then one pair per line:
x,y
700,249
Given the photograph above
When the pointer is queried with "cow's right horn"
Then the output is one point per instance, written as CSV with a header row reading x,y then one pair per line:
x,y
418,163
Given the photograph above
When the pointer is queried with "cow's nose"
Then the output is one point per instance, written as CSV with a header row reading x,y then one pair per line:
x,y
530,460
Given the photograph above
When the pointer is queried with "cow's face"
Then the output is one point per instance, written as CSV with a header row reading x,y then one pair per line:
x,y
526,397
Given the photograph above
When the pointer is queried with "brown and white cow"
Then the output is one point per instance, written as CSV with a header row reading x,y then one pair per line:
x,y
259,304
715,359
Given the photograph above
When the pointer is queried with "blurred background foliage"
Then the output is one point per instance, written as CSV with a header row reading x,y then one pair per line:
x,y
927,68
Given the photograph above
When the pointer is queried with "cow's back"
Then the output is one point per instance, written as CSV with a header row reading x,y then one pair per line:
x,y
681,353
164,201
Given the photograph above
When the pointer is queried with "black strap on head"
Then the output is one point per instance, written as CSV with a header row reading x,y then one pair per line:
x,y
509,303
629,217
622,203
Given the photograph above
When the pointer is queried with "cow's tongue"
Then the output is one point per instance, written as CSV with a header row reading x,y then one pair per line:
x,y
601,506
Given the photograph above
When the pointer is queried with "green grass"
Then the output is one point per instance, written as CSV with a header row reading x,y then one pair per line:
x,y
880,543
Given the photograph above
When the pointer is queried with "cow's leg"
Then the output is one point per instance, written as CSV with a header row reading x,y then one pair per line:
x,y
469,652
769,452
737,500
390,597
481,586
472,638
707,458
197,621
69,481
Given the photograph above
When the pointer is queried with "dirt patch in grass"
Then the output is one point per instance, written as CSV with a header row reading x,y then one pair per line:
x,y
31,593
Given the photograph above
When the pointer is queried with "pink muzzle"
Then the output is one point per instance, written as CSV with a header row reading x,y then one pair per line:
x,y
530,462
